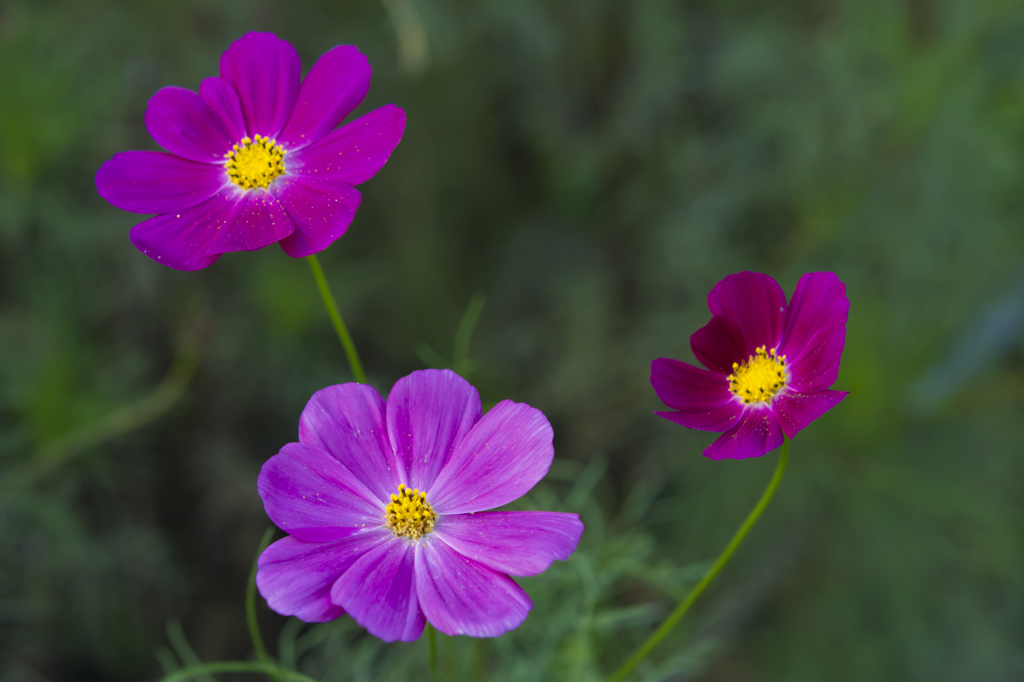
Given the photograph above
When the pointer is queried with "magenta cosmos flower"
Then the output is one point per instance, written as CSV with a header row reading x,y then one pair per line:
x,y
385,503
770,364
254,156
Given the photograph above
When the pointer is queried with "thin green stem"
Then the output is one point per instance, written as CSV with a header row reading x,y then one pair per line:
x,y
715,569
250,610
195,671
432,642
339,325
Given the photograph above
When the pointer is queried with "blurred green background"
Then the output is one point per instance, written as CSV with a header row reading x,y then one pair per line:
x,y
591,168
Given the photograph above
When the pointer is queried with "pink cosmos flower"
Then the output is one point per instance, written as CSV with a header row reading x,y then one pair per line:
x,y
254,157
385,503
770,364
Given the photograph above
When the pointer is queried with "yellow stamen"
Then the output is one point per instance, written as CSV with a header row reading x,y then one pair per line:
x,y
410,515
256,163
759,378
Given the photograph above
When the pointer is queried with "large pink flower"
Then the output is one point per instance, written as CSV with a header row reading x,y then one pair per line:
x,y
769,364
254,157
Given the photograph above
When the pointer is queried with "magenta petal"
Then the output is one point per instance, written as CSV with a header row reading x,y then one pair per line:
x,y
755,303
794,411
347,421
499,460
462,597
379,591
295,576
265,72
311,495
321,210
223,99
684,387
817,366
184,124
335,86
513,542
157,182
718,344
429,413
718,419
756,434
354,152
818,302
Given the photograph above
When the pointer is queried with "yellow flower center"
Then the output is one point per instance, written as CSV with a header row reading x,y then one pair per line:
x,y
759,378
410,515
256,163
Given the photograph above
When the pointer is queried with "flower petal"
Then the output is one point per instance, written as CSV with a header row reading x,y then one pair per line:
x,y
819,300
718,344
795,411
229,221
718,419
157,182
295,576
379,591
513,542
757,433
684,387
311,495
429,413
755,303
504,455
335,86
223,99
184,124
816,367
462,597
347,421
321,209
265,72
355,152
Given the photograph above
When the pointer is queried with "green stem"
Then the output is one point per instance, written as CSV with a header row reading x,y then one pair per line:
x,y
339,325
723,558
432,641
250,610
234,667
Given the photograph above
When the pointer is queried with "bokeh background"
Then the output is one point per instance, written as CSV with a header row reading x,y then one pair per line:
x,y
587,169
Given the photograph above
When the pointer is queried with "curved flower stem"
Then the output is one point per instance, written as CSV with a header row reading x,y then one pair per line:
x,y
723,558
432,642
195,671
250,611
339,325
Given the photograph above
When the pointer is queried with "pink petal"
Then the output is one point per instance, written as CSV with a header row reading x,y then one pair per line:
x,y
718,419
311,495
499,460
684,387
462,597
429,413
513,542
355,152
321,210
380,592
347,421
718,344
816,367
295,576
755,303
265,72
195,237
184,124
757,433
818,302
223,99
156,182
335,86
795,411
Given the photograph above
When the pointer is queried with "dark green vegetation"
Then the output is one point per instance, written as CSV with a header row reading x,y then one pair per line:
x,y
592,168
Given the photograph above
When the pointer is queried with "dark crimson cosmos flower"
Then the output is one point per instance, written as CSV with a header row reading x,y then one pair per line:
x,y
385,503
770,364
254,157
